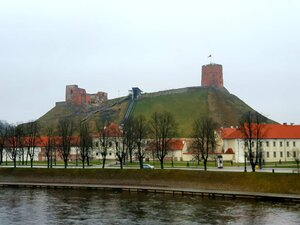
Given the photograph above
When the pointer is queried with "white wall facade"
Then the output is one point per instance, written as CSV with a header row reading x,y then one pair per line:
x,y
274,150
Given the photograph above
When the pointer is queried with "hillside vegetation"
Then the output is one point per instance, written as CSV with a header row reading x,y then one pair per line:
x,y
187,104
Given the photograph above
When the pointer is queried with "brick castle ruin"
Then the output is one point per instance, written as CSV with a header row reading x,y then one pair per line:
x,y
78,96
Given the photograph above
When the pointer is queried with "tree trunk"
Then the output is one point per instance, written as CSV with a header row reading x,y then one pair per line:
x,y
15,163
161,163
27,156
23,160
205,164
66,163
31,162
253,167
141,162
1,157
130,155
103,164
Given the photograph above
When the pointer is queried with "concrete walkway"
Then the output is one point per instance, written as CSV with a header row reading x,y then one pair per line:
x,y
167,190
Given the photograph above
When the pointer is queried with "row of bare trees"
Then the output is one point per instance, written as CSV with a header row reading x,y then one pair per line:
x,y
136,137
19,142
133,138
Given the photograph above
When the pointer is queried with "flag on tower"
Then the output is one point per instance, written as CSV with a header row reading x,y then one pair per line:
x,y
209,56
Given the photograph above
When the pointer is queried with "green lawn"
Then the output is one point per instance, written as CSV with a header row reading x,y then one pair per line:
x,y
156,164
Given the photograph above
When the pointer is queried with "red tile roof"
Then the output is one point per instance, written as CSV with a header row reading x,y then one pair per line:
x,y
229,151
42,141
176,144
272,131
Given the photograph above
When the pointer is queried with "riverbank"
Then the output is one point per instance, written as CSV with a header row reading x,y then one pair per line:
x,y
268,183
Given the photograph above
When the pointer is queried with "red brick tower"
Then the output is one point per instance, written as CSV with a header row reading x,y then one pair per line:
x,y
212,75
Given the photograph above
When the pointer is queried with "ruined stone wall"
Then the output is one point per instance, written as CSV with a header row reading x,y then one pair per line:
x,y
78,96
98,98
212,76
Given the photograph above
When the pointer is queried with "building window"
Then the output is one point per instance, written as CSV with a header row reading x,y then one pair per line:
x,y
268,155
280,144
294,154
287,144
97,144
267,143
294,143
281,154
274,143
288,154
274,154
252,144
260,144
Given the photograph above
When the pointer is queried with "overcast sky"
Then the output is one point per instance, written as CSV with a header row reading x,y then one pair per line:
x,y
112,46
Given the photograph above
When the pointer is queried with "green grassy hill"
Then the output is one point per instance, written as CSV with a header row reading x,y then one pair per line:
x,y
187,104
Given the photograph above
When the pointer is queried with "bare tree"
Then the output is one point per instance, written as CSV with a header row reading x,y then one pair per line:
x,y
141,130
163,128
252,127
49,146
3,138
128,135
85,143
65,132
204,139
120,147
104,140
20,136
13,144
31,140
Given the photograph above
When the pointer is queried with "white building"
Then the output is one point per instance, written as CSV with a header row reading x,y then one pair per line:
x,y
280,143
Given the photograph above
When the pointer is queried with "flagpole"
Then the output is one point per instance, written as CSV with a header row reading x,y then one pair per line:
x,y
210,56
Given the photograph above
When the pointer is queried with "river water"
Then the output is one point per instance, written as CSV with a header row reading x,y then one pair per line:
x,y
63,206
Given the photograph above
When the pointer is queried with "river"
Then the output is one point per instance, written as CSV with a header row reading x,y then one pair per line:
x,y
66,206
